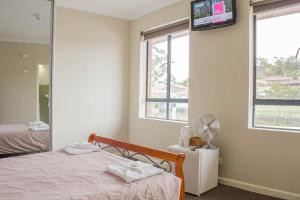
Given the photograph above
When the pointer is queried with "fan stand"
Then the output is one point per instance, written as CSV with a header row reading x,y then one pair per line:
x,y
209,144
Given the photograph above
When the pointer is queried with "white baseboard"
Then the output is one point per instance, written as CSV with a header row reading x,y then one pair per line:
x,y
259,189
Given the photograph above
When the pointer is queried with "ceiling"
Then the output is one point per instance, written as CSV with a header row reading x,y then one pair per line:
x,y
124,9
18,23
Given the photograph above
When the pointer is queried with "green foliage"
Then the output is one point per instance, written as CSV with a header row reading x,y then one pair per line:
x,y
203,11
284,116
159,65
159,68
280,67
185,82
285,68
283,91
228,5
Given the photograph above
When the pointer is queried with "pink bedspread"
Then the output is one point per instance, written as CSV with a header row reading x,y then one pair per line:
x,y
59,176
18,138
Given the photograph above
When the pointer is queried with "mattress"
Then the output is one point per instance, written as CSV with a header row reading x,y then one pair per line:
x,y
18,138
60,176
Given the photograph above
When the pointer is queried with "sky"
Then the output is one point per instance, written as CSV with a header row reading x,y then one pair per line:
x,y
278,36
180,56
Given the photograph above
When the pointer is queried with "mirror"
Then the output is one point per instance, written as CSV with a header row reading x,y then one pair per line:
x,y
25,71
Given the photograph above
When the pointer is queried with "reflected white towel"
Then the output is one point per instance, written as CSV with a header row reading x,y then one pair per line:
x,y
80,148
39,127
134,170
35,123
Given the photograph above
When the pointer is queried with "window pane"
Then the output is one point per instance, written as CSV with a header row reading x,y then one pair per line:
x,y
277,116
180,66
178,111
157,68
157,110
277,68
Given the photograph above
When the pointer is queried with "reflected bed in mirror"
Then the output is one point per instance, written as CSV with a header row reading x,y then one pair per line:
x,y
25,66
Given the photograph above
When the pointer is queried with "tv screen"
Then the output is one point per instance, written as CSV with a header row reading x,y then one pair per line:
x,y
208,14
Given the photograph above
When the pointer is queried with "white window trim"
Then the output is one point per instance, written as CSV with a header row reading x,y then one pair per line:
x,y
251,105
143,89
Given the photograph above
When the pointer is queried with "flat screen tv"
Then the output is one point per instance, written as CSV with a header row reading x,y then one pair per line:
x,y
209,14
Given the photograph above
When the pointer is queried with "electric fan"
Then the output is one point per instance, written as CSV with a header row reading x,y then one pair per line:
x,y
207,127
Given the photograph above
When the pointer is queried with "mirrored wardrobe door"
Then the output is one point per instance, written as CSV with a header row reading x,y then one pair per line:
x,y
25,71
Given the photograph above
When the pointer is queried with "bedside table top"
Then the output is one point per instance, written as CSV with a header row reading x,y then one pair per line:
x,y
188,149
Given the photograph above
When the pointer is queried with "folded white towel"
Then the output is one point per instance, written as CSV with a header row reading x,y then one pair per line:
x,y
80,148
133,170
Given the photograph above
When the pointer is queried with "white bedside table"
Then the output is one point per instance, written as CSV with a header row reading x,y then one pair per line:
x,y
200,168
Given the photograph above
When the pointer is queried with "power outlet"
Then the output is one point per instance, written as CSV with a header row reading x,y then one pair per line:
x,y
220,161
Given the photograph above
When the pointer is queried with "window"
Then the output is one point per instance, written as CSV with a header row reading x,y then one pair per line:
x,y
167,76
276,95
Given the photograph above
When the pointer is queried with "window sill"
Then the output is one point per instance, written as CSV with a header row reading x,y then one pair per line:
x,y
274,129
164,120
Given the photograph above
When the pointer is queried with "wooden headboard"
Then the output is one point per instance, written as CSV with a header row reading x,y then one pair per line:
x,y
175,158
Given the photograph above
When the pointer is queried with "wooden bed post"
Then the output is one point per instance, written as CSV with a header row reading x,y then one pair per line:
x,y
179,173
91,137
172,157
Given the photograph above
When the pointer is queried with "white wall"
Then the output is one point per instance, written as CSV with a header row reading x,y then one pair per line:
x,y
91,92
18,90
44,76
219,70
90,77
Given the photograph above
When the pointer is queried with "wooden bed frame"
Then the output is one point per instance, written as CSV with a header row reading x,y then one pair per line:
x,y
176,158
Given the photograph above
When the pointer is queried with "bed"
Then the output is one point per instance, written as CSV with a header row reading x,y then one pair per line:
x,y
16,139
59,176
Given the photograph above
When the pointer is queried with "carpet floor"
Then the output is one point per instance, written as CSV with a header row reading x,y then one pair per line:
x,y
223,192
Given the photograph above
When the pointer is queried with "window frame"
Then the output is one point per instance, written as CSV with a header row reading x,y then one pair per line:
x,y
168,98
270,102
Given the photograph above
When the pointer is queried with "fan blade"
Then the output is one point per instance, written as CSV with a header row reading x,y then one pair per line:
x,y
215,125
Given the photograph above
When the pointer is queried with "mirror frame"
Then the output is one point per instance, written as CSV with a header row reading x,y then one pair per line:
x,y
51,71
